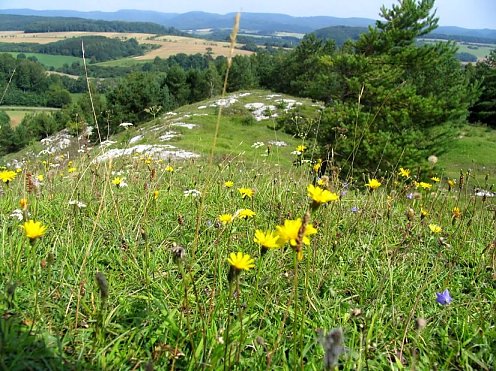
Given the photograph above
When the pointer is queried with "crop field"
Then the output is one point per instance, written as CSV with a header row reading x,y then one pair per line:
x,y
168,45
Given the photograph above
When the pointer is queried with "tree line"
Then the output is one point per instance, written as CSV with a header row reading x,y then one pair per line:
x,y
96,48
34,24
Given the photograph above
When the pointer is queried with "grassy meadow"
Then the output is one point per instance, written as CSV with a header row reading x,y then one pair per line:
x,y
131,264
49,60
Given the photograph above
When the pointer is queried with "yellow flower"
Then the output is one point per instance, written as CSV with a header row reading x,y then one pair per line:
x,y
424,185
240,261
33,229
301,148
451,183
117,181
23,203
423,213
228,184
18,170
435,228
169,168
290,230
7,176
373,184
225,218
317,165
245,213
155,194
320,196
267,240
456,212
40,177
405,173
71,170
246,192
435,179
321,182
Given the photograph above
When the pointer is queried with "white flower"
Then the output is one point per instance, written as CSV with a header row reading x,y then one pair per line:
x,y
192,193
258,144
79,204
18,214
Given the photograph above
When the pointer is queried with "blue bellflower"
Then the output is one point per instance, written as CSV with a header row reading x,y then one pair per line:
x,y
444,297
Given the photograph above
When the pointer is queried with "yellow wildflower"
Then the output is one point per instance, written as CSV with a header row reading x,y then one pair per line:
x,y
23,203
435,179
245,213
169,169
320,196
228,184
424,185
290,230
456,212
33,229
267,240
225,218
405,173
7,176
435,228
246,192
373,184
301,148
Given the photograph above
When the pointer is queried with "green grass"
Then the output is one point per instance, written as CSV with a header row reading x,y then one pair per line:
x,y
168,301
123,62
49,60
474,148
479,50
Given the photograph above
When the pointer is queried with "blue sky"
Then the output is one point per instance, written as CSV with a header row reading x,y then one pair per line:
x,y
463,13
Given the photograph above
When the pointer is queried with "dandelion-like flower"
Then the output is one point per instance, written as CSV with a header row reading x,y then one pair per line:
x,y
7,176
292,232
457,213
301,148
245,214
320,196
405,173
228,184
423,213
436,179
267,240
117,181
373,184
316,167
169,169
71,170
239,262
443,298
435,228
33,230
245,192
225,218
451,184
424,185
155,194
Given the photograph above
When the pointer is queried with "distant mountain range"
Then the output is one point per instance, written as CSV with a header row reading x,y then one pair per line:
x,y
262,23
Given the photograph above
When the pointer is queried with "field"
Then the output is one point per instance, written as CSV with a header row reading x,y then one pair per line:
x,y
16,114
168,45
144,260
479,50
48,60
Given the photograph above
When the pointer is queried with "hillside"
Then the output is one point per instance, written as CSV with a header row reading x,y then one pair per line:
x,y
246,130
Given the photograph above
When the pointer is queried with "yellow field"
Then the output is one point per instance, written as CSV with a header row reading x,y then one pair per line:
x,y
169,45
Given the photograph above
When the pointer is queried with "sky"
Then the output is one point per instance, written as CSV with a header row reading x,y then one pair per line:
x,y
462,13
